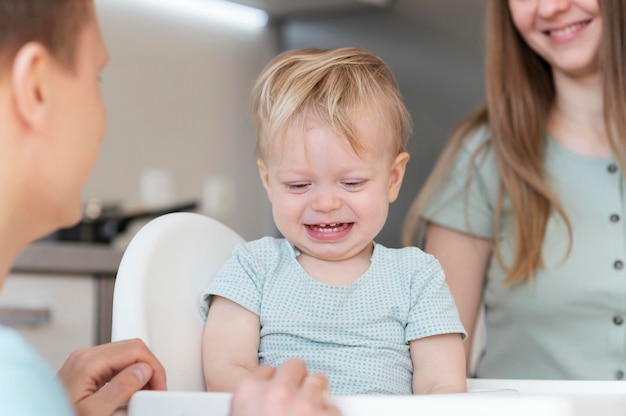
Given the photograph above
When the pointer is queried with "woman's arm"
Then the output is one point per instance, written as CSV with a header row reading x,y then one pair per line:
x,y
464,259
230,344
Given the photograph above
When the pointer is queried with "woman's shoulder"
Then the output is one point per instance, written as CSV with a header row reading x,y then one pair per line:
x,y
474,152
477,139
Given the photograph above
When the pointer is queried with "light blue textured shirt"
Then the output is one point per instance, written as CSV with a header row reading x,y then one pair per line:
x,y
28,387
357,334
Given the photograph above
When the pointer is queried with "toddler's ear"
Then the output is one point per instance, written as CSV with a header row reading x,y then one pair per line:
x,y
264,174
398,167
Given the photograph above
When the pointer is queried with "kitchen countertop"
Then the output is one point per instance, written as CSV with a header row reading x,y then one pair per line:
x,y
56,257
98,261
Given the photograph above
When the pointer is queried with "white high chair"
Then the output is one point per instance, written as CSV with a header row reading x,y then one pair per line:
x,y
172,259
162,273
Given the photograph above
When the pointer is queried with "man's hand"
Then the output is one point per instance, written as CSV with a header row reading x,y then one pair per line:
x,y
287,391
101,378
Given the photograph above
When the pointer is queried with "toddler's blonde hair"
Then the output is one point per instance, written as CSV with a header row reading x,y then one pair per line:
x,y
332,87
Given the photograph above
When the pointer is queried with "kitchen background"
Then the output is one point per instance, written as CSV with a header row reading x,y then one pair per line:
x,y
177,87
179,129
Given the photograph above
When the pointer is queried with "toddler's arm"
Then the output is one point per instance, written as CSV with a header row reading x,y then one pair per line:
x,y
438,364
230,344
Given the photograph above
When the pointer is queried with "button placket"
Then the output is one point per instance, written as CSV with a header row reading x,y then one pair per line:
x,y
614,211
614,217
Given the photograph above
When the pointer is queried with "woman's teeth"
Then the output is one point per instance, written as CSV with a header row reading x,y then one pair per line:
x,y
567,30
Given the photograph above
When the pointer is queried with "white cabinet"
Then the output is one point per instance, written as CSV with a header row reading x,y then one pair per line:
x,y
59,296
55,313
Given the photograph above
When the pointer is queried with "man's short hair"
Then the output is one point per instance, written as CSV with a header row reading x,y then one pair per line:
x,y
56,24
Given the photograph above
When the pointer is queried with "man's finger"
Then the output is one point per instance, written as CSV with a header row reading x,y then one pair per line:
x,y
315,389
263,372
292,373
118,390
119,355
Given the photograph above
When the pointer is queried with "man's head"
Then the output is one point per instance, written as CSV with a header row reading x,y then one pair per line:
x,y
53,23
51,112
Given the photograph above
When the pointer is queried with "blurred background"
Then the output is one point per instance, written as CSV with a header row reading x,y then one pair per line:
x,y
177,88
180,134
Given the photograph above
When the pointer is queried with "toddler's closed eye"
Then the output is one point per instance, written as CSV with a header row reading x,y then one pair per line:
x,y
354,185
297,187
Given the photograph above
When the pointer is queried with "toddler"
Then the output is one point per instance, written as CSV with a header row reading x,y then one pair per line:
x,y
331,137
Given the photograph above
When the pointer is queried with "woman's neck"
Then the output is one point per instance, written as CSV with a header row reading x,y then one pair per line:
x,y
577,118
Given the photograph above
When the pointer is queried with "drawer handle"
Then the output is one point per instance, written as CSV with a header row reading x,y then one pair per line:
x,y
25,317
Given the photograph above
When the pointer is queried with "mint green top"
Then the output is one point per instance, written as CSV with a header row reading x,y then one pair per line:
x,y
28,387
569,323
357,334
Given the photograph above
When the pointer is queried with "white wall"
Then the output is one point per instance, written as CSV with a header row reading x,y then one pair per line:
x,y
176,92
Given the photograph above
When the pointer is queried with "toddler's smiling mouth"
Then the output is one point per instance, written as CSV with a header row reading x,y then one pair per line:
x,y
329,228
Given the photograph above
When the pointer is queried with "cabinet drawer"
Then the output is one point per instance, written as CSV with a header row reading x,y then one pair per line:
x,y
56,314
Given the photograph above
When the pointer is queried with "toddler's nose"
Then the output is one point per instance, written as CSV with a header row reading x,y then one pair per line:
x,y
325,201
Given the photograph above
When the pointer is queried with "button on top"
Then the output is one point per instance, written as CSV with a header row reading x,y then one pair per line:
x,y
619,265
619,374
618,320
614,218
612,168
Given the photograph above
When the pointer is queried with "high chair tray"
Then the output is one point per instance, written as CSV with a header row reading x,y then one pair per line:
x,y
477,403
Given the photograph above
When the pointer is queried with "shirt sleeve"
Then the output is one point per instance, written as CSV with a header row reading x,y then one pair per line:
x,y
433,310
238,280
466,200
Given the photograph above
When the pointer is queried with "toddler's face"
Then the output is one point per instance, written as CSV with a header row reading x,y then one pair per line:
x,y
327,200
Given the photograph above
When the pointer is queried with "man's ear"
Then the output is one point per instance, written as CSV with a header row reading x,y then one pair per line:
x,y
29,75
265,177
398,168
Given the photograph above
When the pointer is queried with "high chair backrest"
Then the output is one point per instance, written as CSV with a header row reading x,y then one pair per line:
x,y
161,276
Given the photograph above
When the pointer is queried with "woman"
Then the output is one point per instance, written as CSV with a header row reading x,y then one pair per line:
x,y
525,206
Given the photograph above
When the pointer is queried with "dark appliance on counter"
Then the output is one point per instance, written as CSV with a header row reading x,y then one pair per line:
x,y
101,223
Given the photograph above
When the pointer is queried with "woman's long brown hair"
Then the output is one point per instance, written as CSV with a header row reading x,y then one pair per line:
x,y
519,97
